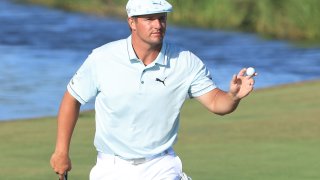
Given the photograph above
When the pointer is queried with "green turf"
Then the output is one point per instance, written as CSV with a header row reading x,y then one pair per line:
x,y
274,135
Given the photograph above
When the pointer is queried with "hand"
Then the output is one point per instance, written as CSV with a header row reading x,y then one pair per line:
x,y
60,163
241,85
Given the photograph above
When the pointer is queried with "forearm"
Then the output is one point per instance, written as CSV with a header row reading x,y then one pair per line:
x,y
67,118
224,103
219,102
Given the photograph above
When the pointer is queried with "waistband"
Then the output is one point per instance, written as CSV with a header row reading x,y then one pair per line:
x,y
135,161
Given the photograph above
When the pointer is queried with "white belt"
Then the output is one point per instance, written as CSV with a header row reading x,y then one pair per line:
x,y
136,161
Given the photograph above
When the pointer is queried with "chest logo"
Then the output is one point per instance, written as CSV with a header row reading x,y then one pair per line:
x,y
162,81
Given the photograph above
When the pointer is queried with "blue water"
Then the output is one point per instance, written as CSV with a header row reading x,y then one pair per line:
x,y
41,48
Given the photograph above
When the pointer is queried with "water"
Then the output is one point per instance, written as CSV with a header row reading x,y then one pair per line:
x,y
41,48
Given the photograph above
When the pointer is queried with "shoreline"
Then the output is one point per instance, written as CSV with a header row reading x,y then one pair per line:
x,y
280,86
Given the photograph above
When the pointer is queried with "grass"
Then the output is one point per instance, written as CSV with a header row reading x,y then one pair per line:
x,y
274,134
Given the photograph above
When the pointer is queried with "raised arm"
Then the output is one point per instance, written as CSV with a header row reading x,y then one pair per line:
x,y
221,102
67,118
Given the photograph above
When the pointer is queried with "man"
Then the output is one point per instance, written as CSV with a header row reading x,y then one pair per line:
x,y
140,84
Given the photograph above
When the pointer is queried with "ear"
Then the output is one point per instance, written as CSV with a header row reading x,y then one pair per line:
x,y
131,22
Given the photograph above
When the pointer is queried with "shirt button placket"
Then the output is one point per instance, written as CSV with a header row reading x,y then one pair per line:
x,y
142,81
142,74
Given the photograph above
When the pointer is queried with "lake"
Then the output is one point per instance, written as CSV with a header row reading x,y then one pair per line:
x,y
41,48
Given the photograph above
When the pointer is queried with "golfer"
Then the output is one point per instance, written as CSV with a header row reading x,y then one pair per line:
x,y
140,84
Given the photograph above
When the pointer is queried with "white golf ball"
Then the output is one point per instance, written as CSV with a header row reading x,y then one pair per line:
x,y
250,71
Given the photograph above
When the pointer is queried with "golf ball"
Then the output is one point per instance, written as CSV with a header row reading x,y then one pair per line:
x,y
250,71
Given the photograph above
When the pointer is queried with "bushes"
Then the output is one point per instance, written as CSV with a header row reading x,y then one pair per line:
x,y
286,19
290,19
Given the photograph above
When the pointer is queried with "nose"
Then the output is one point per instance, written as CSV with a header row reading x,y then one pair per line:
x,y
158,23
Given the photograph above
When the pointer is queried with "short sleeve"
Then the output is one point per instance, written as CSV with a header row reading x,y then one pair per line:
x,y
201,82
83,86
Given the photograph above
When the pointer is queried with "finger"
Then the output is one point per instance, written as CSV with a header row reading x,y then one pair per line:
x,y
63,176
251,77
60,176
234,79
251,83
242,72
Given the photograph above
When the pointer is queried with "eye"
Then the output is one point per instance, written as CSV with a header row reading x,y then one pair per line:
x,y
163,18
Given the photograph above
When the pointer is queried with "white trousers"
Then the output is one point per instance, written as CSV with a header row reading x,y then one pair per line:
x,y
111,167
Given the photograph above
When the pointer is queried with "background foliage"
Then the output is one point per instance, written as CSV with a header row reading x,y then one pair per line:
x,y
285,19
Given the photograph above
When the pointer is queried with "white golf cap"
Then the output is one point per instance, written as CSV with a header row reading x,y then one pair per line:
x,y
144,7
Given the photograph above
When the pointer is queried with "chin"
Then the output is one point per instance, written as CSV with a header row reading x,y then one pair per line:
x,y
156,41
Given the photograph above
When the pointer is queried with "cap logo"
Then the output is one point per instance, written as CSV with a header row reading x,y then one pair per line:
x,y
157,3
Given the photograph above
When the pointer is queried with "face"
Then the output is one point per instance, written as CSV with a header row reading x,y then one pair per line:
x,y
149,29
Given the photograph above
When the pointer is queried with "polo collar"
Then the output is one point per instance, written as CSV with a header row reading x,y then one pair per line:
x,y
133,57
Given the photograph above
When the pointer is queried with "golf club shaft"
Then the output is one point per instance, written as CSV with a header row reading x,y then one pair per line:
x,y
65,176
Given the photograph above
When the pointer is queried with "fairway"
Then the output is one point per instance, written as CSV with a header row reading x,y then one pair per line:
x,y
273,135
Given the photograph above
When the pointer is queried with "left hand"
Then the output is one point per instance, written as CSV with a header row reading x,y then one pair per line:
x,y
241,85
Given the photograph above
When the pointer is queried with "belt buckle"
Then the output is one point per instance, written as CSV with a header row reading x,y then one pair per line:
x,y
138,161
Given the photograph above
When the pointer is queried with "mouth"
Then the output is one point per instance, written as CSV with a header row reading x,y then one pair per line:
x,y
157,34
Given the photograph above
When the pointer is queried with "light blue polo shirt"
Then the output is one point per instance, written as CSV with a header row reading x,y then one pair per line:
x,y
137,106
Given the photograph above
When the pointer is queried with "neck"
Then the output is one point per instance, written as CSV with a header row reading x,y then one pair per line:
x,y
145,52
